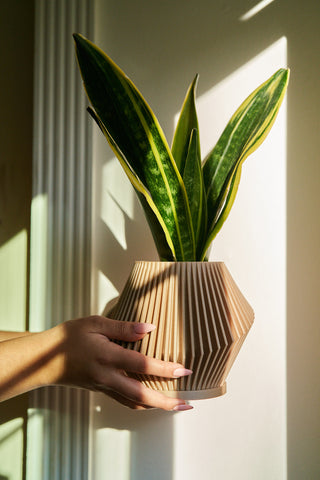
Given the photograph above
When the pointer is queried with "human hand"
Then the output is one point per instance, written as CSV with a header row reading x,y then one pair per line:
x,y
92,361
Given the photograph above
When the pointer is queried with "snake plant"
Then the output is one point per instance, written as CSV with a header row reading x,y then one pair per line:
x,y
186,201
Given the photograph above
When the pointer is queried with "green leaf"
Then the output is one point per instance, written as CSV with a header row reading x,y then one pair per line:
x,y
158,228
226,206
135,134
187,122
162,241
246,130
193,181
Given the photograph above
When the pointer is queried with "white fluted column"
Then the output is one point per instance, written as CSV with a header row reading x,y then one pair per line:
x,y
60,230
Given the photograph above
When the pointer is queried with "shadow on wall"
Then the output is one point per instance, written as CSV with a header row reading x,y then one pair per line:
x,y
16,100
13,408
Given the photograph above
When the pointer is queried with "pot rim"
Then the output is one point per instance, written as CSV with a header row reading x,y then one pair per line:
x,y
215,262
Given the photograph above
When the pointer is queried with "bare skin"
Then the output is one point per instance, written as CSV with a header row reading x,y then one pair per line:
x,y
79,353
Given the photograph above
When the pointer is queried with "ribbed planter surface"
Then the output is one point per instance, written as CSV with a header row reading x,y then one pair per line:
x,y
201,316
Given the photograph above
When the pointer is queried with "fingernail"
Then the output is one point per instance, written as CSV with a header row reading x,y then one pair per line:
x,y
143,328
181,372
182,407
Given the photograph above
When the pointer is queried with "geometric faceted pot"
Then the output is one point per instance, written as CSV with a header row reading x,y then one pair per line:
x,y
201,316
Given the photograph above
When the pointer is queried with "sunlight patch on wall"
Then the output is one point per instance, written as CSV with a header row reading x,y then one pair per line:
x,y
217,105
11,446
13,282
255,10
252,243
106,291
112,454
259,168
38,262
116,200
35,453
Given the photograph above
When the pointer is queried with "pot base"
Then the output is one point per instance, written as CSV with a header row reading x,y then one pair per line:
x,y
197,394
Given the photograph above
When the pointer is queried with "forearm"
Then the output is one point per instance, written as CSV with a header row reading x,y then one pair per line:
x,y
31,361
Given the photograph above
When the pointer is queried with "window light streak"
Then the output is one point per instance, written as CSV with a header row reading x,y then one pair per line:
x,y
11,446
13,282
35,427
113,454
38,263
104,292
117,200
255,10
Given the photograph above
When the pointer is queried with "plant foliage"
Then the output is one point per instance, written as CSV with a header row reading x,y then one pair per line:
x,y
186,201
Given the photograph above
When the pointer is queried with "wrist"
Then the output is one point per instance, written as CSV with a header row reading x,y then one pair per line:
x,y
52,356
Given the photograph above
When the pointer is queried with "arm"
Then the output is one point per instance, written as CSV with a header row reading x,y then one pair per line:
x,y
79,353
28,361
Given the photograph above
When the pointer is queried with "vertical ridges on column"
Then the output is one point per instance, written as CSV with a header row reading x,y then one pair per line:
x,y
62,174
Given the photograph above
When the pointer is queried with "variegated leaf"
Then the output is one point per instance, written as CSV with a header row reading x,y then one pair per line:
x,y
246,130
135,131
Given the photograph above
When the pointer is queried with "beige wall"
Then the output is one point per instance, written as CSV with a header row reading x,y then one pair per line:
x,y
16,101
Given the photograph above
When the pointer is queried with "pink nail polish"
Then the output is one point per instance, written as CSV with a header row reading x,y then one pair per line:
x,y
181,372
182,407
141,328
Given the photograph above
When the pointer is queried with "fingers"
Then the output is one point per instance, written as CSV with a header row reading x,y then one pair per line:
x,y
135,362
113,361
118,330
134,394
126,402
132,361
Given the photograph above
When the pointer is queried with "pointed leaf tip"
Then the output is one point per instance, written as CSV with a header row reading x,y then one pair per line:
x,y
186,123
76,37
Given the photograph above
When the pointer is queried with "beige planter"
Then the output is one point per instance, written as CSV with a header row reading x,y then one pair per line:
x,y
201,317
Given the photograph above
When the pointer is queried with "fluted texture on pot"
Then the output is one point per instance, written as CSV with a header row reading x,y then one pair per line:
x,y
201,316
